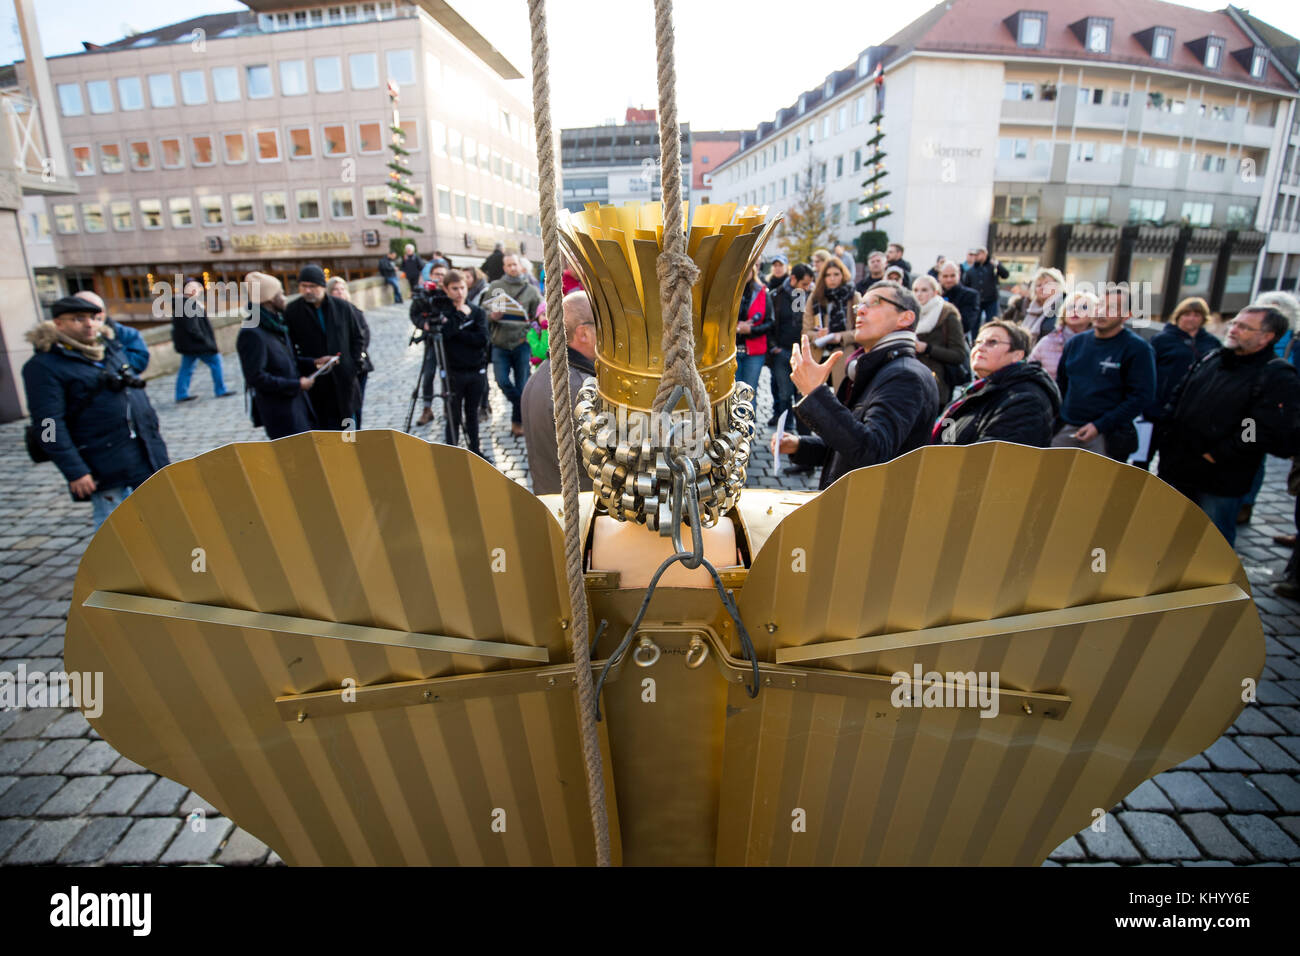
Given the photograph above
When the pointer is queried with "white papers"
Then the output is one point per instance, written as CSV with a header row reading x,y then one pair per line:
x,y
776,456
333,360
503,302
825,340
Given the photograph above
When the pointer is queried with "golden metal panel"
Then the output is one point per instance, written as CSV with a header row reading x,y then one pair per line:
x,y
1061,571
433,564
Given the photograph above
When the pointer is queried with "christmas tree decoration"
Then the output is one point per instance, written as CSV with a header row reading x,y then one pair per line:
x,y
401,195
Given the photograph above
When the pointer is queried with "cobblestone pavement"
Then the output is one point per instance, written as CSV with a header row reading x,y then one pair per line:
x,y
67,797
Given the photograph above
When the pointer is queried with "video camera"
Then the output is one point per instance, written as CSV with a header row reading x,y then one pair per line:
x,y
431,307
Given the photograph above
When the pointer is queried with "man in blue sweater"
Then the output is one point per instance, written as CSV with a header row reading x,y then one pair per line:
x,y
1106,377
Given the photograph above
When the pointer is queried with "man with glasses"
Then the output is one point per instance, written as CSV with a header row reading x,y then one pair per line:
x,y
1106,376
538,403
1235,405
1010,399
886,403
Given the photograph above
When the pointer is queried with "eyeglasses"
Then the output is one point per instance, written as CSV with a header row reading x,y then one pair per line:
x,y
990,343
874,300
1240,325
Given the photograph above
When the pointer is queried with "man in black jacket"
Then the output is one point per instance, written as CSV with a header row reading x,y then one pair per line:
x,y
321,325
788,302
412,267
894,257
963,299
875,273
388,269
194,341
1233,407
887,402
494,266
89,409
983,276
1010,399
464,336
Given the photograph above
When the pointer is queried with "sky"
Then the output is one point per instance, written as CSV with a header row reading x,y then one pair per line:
x,y
738,61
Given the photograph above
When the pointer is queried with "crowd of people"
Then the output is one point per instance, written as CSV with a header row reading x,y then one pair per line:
x,y
870,367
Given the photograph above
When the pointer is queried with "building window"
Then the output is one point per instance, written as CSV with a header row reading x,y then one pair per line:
x,y
210,210
439,132
341,203
826,126
471,151
364,68
70,105
258,80
235,147
172,157
1147,210
1084,152
864,63
329,74
1213,53
401,67
141,155
839,169
83,163
130,94
1161,44
273,207
475,212
1118,98
308,201
65,219
1098,36
1017,91
1111,152
201,151
1086,208
92,217
335,138
1240,216
444,201
1197,213
225,84
241,209
101,101
1091,95
120,211
110,158
268,145
299,142
501,214
151,214
293,77
161,91
454,145
1015,208
1031,29
1013,149
182,212
461,209
194,89
376,200
841,121
1257,64
369,138
411,137
812,133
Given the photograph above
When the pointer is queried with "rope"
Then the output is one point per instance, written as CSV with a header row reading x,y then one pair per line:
x,y
564,431
677,271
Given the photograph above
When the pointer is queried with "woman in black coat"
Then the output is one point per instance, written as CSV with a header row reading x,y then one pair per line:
x,y
276,376
1010,400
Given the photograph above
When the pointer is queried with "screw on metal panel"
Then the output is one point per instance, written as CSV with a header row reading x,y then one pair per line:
x,y
550,681
302,715
428,695
771,627
793,682
768,681
564,623
1028,709
769,509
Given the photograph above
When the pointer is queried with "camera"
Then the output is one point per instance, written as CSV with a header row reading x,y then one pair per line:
x,y
115,380
431,307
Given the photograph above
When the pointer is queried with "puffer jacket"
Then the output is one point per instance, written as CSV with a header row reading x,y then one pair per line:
x,y
1018,403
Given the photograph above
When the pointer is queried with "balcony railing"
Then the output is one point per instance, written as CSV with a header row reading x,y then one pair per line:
x,y
1094,114
1032,110
1105,174
1022,170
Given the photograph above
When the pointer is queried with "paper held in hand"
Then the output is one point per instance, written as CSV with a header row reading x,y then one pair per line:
x,y
333,360
825,340
776,456
503,302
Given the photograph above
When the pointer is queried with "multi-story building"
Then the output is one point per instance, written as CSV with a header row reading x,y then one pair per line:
x,y
708,151
617,163
1115,140
259,140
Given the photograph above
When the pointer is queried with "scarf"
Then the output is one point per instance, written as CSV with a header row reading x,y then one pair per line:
x,y
929,316
272,321
834,307
46,335
950,412
890,340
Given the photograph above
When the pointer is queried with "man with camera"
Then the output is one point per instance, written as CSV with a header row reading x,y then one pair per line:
x,y
423,312
90,414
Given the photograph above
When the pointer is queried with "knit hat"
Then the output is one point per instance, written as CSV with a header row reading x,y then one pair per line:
x,y
70,303
312,273
262,287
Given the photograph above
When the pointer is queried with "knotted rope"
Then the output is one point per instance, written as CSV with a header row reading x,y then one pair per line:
x,y
564,431
677,271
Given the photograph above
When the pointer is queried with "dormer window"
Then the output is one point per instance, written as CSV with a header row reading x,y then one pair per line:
x,y
803,103
1029,27
864,63
1253,59
829,89
1213,54
1094,33
1162,43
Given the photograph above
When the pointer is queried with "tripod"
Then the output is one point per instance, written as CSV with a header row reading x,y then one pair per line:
x,y
440,357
